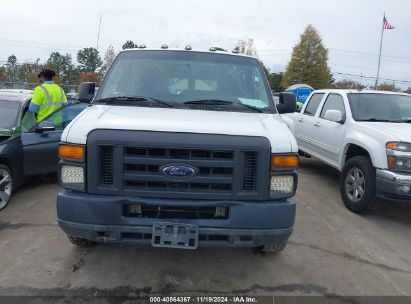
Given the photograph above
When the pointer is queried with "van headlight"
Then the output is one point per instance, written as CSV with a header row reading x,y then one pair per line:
x,y
72,177
282,183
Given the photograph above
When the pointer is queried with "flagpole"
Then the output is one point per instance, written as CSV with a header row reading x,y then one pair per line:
x,y
99,27
379,56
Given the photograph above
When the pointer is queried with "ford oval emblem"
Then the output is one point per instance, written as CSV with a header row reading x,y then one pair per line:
x,y
179,171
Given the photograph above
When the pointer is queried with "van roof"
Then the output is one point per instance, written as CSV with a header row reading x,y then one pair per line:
x,y
189,51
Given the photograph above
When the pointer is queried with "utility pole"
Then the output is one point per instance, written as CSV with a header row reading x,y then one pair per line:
x,y
99,28
379,56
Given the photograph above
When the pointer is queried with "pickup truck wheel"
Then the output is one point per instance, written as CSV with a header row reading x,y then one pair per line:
x,y
357,184
6,186
78,241
272,248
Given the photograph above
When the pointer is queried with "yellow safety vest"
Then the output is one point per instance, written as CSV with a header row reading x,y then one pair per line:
x,y
49,97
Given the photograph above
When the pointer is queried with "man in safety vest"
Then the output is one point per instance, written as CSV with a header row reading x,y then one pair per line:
x,y
47,97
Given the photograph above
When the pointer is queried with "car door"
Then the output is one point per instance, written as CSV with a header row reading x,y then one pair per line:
x,y
40,149
328,136
305,122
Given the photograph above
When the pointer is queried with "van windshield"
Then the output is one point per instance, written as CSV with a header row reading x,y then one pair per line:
x,y
179,77
9,111
380,107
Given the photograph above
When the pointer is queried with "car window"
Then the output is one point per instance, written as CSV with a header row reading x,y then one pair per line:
x,y
62,117
333,102
313,104
379,106
9,112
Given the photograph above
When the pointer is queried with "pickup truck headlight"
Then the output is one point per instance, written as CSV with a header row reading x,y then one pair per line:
x,y
399,163
399,146
399,156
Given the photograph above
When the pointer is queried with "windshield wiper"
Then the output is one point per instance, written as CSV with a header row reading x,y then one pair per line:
x,y
221,102
402,120
133,98
376,120
209,102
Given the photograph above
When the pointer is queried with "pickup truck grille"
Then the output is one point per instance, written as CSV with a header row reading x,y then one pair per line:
x,y
227,167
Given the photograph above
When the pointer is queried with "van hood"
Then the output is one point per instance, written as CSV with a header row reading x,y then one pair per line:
x,y
397,131
95,117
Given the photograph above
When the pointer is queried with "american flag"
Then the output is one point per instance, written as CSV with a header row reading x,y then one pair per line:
x,y
386,25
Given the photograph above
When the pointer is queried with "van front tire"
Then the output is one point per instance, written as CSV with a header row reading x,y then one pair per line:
x,y
273,249
78,241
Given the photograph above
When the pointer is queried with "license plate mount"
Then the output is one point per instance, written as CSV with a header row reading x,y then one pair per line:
x,y
175,235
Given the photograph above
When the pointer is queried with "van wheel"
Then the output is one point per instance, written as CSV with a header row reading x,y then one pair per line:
x,y
357,185
6,186
272,248
78,241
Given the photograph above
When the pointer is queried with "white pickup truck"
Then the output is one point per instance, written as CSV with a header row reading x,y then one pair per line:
x,y
366,135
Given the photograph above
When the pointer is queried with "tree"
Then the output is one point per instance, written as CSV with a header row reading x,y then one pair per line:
x,y
89,77
408,91
348,84
109,57
247,47
274,80
11,67
309,62
129,44
89,59
61,64
3,74
27,72
388,87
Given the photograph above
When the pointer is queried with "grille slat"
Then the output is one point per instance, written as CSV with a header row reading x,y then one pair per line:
x,y
163,161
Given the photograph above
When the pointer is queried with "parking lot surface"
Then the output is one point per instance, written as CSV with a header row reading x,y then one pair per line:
x,y
332,252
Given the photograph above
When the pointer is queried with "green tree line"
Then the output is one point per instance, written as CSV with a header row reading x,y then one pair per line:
x,y
308,64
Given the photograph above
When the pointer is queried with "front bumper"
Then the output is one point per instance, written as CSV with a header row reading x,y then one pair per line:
x,y
393,185
100,218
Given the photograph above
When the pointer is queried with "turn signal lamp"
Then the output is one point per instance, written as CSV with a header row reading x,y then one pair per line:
x,y
71,152
279,161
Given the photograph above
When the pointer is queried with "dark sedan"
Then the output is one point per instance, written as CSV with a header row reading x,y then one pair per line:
x,y
28,148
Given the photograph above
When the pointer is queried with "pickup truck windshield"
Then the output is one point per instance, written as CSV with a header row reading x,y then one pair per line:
x,y
9,111
187,79
380,107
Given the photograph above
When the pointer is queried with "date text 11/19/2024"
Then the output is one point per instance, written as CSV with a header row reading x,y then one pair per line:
x,y
208,299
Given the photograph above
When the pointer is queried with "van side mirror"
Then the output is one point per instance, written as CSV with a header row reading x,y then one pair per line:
x,y
334,115
287,103
86,92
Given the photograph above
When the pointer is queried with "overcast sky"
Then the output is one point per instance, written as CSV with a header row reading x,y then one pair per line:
x,y
350,29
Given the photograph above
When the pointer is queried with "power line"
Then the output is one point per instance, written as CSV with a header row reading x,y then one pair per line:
x,y
371,77
288,51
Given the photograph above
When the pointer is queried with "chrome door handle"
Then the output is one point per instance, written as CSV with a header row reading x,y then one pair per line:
x,y
317,124
301,120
